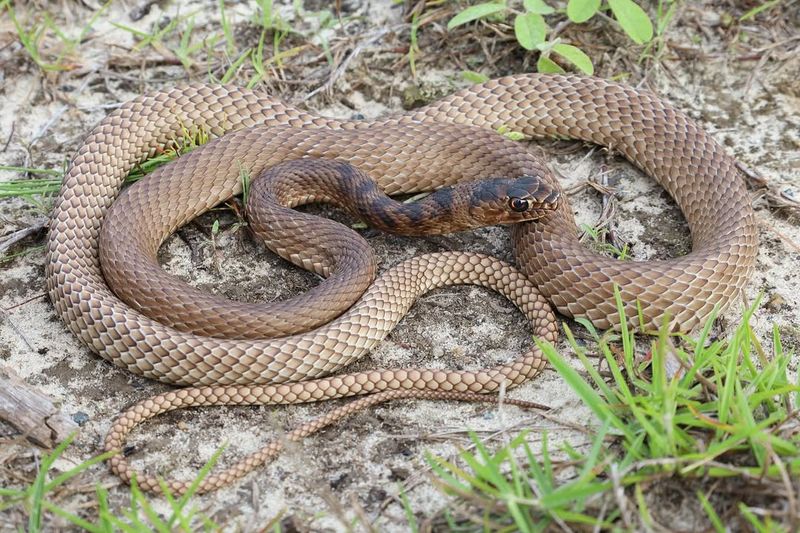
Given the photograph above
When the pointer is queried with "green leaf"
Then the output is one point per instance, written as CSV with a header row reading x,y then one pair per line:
x,y
475,12
530,30
633,20
548,66
510,134
538,6
474,77
575,56
582,10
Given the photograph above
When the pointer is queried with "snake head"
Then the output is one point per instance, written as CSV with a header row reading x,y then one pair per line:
x,y
507,201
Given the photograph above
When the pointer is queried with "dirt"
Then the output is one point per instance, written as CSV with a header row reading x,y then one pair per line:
x,y
749,104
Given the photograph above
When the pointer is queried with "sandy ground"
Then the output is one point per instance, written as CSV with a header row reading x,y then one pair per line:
x,y
750,104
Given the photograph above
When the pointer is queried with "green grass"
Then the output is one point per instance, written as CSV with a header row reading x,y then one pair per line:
x,y
665,15
34,190
217,53
598,241
138,516
413,46
727,418
43,33
248,65
38,190
765,6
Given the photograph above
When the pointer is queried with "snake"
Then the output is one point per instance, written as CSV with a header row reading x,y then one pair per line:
x,y
679,293
329,249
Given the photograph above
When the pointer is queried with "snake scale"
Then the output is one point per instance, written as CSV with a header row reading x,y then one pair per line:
x,y
686,161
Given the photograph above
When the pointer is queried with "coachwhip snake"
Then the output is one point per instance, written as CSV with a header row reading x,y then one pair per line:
x,y
687,162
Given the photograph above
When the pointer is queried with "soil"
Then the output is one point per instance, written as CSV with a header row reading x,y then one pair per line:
x,y
741,82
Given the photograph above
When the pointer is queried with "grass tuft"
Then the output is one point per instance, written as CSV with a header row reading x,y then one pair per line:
x,y
139,516
726,418
38,190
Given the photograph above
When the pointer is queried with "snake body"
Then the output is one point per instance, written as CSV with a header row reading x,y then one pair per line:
x,y
166,199
686,161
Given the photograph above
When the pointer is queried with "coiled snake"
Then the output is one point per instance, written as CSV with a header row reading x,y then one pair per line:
x,y
687,162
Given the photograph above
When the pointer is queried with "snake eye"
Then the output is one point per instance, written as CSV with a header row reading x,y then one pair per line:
x,y
520,205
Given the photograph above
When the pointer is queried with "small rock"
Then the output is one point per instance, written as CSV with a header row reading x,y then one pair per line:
x,y
141,11
776,302
290,524
399,474
376,495
340,481
414,96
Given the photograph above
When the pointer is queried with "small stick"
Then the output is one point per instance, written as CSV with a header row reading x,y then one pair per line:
x,y
13,238
31,412
10,135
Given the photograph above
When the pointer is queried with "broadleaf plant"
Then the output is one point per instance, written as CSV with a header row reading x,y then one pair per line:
x,y
531,29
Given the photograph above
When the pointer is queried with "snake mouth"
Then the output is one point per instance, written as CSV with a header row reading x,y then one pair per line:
x,y
552,200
